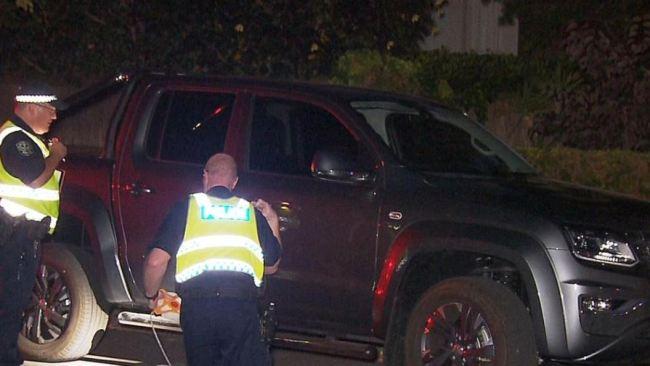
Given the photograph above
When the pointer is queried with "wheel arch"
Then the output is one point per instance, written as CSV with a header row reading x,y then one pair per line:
x,y
428,252
85,258
86,228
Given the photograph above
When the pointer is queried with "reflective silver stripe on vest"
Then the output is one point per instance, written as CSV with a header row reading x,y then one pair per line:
x,y
40,194
16,210
217,265
221,241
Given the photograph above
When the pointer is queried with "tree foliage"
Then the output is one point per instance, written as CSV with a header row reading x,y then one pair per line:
x,y
287,38
542,22
606,103
609,109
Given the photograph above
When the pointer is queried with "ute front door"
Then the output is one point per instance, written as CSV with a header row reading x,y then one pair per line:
x,y
328,228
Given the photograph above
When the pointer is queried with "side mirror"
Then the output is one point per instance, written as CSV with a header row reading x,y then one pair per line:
x,y
338,166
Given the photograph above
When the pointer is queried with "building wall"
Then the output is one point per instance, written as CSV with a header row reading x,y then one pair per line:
x,y
471,25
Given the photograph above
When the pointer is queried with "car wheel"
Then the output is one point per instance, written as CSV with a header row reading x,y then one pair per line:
x,y
469,321
63,317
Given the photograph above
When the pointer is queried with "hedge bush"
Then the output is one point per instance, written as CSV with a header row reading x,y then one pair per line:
x,y
467,81
621,171
370,69
473,81
470,82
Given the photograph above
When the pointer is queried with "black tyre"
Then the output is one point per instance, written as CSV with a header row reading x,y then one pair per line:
x,y
64,317
469,321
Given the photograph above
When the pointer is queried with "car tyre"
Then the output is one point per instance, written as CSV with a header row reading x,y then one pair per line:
x,y
63,320
469,321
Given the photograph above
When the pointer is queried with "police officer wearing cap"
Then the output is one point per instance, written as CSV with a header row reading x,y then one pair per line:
x,y
223,246
29,204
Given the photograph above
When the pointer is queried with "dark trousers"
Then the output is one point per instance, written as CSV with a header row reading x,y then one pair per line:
x,y
18,261
222,331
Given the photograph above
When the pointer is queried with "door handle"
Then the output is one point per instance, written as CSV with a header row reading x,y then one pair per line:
x,y
137,189
287,222
287,216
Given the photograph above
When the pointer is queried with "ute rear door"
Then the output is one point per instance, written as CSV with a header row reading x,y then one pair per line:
x,y
173,131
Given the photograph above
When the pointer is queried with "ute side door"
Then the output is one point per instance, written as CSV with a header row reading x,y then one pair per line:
x,y
177,128
328,228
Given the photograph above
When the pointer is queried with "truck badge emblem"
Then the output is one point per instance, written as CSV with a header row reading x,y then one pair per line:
x,y
395,215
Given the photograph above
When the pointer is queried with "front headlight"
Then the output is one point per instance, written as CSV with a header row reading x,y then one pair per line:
x,y
601,246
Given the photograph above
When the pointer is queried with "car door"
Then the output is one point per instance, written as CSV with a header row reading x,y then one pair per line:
x,y
328,228
173,135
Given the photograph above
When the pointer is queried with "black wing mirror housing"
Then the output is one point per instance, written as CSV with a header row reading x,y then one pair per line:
x,y
338,166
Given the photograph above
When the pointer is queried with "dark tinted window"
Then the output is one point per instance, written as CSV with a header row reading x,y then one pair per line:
x,y
436,139
425,143
286,134
189,126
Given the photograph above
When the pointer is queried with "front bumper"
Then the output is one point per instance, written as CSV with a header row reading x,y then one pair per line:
x,y
632,345
617,330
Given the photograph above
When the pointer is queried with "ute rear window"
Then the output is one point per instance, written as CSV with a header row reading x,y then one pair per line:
x,y
189,126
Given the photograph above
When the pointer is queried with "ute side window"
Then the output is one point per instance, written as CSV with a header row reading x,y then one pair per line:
x,y
285,135
189,126
438,146
446,143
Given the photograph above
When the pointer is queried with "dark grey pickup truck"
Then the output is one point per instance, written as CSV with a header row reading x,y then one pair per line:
x,y
410,233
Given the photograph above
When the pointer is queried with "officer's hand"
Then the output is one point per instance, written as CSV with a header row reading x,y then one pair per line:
x,y
57,148
266,210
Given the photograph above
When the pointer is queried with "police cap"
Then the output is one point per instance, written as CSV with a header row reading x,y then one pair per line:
x,y
39,92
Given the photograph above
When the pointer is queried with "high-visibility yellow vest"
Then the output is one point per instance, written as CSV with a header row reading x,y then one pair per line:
x,y
220,235
19,199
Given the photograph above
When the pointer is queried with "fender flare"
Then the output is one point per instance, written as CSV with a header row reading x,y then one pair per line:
x,y
79,204
523,251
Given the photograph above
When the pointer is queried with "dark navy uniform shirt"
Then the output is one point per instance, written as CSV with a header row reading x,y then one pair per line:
x,y
172,231
20,155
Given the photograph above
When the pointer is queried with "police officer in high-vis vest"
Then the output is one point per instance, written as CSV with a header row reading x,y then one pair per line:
x,y
223,245
29,204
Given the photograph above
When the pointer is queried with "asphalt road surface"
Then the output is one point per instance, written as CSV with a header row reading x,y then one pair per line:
x,y
139,347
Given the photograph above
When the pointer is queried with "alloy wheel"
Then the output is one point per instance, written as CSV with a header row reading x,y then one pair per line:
x,y
456,334
47,316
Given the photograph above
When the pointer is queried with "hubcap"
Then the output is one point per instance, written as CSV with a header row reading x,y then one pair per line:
x,y
47,316
457,334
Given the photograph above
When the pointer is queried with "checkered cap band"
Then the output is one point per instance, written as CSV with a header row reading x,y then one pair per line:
x,y
35,98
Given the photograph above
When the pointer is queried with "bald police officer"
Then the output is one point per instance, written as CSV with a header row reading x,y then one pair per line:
x,y
29,204
223,246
